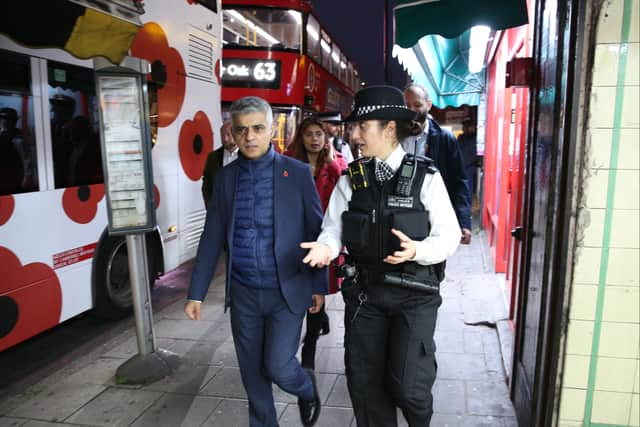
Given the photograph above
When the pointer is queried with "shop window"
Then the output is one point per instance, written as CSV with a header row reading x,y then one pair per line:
x,y
18,161
74,126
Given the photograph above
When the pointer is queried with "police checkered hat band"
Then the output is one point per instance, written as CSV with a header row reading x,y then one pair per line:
x,y
380,103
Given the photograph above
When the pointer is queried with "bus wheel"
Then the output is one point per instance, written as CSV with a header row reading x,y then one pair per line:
x,y
112,285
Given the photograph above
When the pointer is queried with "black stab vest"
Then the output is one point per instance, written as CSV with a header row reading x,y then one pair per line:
x,y
375,209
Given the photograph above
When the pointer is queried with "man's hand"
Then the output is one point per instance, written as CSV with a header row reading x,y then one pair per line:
x,y
466,236
408,251
318,256
192,309
318,302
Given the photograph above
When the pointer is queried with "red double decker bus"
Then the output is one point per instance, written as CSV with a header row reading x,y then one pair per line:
x,y
279,51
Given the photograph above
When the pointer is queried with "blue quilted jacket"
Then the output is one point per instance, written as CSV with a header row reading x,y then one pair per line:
x,y
253,261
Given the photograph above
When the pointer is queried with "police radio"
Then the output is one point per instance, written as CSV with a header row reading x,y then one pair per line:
x,y
407,173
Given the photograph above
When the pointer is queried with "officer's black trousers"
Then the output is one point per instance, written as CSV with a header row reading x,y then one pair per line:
x,y
389,354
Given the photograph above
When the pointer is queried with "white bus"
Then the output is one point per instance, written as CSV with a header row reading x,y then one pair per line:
x,y
56,257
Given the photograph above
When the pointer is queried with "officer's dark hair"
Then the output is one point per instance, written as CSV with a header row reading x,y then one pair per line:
x,y
405,128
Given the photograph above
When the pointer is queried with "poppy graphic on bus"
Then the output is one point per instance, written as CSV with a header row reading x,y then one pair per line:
x,y
30,299
195,143
167,70
7,204
81,203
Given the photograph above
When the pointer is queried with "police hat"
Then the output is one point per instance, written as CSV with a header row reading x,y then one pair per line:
x,y
380,103
9,114
333,117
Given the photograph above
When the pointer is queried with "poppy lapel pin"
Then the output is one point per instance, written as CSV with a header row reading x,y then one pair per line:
x,y
285,173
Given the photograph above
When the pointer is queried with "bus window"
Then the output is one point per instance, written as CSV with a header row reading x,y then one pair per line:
x,y
18,162
286,121
74,126
325,52
313,39
335,61
275,28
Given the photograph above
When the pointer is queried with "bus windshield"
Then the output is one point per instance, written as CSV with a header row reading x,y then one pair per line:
x,y
261,27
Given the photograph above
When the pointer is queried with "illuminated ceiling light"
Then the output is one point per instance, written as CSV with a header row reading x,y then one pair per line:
x,y
296,16
478,39
343,65
312,32
253,26
336,57
325,46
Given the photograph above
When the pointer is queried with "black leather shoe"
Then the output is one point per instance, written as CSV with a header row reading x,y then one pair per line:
x,y
310,409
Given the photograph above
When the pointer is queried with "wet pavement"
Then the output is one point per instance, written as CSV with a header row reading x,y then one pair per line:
x,y
206,389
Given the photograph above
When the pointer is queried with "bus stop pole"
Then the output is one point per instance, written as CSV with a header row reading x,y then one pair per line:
x,y
138,272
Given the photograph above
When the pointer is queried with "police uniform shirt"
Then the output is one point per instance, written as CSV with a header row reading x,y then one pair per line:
x,y
445,233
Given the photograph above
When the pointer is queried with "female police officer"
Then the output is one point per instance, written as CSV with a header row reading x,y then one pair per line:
x,y
393,214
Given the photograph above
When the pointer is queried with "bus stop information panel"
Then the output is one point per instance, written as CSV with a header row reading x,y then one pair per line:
x,y
126,152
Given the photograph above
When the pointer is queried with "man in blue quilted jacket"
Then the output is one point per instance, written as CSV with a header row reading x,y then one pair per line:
x,y
262,207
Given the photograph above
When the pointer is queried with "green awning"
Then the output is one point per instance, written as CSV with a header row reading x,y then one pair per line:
x,y
450,18
440,65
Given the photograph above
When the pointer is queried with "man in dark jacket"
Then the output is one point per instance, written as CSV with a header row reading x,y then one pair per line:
x,y
262,207
217,159
441,146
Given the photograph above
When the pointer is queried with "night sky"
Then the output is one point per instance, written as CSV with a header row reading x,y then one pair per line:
x,y
357,26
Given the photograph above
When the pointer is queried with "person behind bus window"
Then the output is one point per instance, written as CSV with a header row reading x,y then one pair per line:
x,y
84,159
394,216
262,206
62,110
12,161
217,159
311,145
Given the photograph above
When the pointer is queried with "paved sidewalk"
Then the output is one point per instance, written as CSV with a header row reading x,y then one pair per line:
x,y
206,390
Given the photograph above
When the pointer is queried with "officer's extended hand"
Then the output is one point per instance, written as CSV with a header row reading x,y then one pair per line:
x,y
318,302
408,251
466,236
192,309
318,256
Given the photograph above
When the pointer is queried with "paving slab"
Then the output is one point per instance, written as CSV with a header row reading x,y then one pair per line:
x,y
456,366
188,329
234,413
482,299
11,422
330,360
449,341
449,397
225,356
35,423
329,417
447,420
324,382
339,395
56,403
115,407
489,398
186,379
226,383
173,410
473,341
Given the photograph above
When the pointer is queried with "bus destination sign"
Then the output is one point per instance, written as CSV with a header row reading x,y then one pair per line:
x,y
251,73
